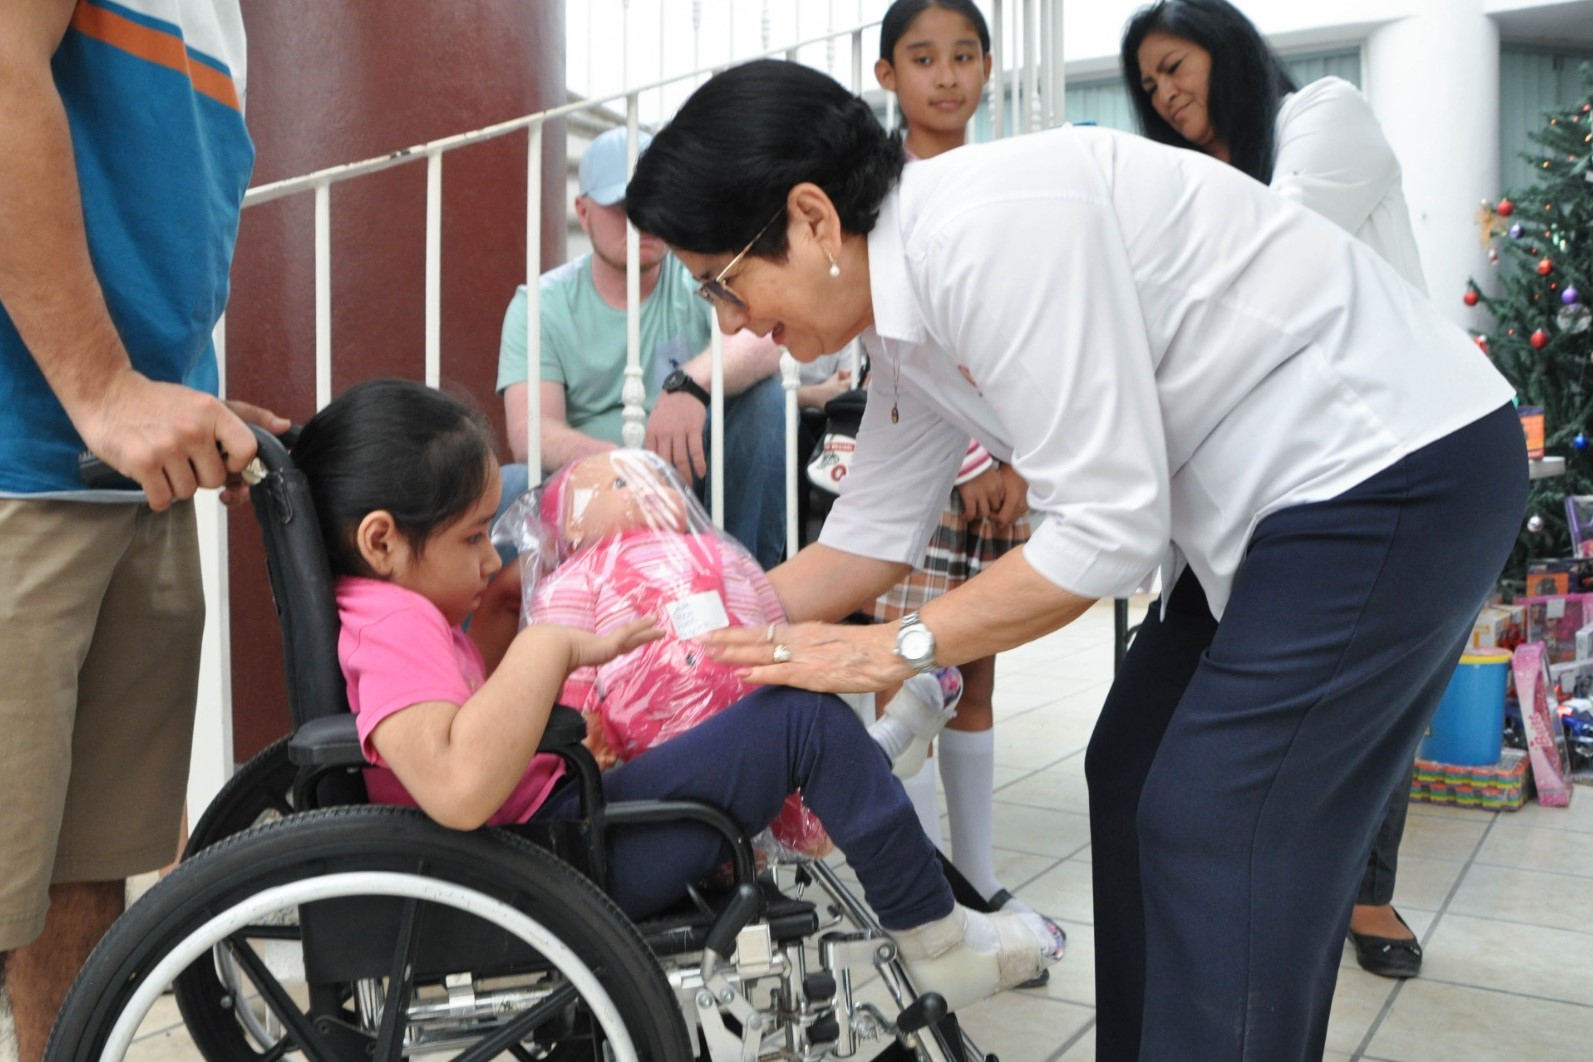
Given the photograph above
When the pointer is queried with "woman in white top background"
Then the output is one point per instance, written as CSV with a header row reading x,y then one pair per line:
x,y
1201,77
1172,357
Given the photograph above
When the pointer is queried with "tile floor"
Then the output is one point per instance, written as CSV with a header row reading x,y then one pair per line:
x,y
1503,901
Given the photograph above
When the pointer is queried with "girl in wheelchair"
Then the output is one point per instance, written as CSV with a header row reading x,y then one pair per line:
x,y
406,485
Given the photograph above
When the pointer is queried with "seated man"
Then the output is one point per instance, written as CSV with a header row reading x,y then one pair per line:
x,y
583,365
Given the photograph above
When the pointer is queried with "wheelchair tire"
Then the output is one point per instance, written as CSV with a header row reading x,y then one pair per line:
x,y
258,792
610,996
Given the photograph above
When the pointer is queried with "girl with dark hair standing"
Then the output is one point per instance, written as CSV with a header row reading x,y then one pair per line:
x,y
1202,77
935,56
1172,357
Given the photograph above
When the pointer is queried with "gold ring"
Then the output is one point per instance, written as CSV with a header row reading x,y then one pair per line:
x,y
782,654
768,635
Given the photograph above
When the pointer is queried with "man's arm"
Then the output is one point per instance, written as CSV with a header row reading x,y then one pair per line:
x,y
749,359
171,439
561,443
675,427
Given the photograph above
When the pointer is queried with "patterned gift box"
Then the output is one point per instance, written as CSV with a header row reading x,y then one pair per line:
x,y
1501,787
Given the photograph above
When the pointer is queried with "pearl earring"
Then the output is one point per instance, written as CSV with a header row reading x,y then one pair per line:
x,y
835,267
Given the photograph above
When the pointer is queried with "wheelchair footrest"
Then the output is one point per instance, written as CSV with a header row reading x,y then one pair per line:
x,y
684,928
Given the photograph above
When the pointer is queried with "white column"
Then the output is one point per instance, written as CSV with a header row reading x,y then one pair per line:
x,y
1433,79
211,762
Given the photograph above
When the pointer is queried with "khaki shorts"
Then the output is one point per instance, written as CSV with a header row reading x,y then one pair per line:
x,y
101,615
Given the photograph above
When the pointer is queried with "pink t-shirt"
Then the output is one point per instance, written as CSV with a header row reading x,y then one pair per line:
x,y
397,650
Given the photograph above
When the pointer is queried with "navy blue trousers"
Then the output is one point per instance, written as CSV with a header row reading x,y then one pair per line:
x,y
746,760
1233,801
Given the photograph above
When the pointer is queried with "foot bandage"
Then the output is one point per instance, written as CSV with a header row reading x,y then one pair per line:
x,y
967,956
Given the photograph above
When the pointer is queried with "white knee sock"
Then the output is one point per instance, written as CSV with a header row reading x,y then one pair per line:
x,y
968,771
922,792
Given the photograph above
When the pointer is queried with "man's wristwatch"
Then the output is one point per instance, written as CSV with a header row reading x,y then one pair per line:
x,y
679,381
915,643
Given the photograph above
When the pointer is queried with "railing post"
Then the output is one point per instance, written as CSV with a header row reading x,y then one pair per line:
x,y
434,174
634,391
533,303
790,380
323,294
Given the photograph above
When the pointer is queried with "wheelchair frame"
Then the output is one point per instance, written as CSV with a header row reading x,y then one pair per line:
x,y
413,939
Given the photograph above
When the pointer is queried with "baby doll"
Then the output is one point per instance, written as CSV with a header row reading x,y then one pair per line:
x,y
627,541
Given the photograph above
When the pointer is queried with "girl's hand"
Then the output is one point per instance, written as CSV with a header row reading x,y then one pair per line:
x,y
1015,496
983,495
590,650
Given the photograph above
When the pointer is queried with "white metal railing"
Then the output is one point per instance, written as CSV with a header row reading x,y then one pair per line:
x,y
720,35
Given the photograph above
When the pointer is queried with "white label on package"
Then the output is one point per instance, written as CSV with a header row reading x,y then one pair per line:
x,y
698,614
1555,608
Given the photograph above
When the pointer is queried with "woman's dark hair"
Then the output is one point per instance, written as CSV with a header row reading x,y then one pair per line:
x,y
396,445
722,167
902,13
1248,82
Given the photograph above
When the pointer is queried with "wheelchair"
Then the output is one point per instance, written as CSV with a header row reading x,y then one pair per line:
x,y
304,922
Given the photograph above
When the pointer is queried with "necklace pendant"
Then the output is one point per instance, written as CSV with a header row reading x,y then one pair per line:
x,y
896,415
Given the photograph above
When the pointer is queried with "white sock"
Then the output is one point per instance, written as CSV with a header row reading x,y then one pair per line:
x,y
968,771
922,792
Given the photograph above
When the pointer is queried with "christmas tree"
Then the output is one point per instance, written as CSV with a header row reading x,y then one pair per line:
x,y
1542,244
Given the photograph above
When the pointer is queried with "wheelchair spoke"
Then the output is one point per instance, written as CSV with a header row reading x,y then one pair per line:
x,y
390,1037
513,1032
301,1032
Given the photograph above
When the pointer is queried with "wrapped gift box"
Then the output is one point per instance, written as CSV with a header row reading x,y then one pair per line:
x,y
1501,787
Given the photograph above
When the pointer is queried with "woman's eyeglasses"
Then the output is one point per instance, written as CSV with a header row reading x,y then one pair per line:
x,y
709,290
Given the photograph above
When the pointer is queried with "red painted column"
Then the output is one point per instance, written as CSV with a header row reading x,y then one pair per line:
x,y
332,83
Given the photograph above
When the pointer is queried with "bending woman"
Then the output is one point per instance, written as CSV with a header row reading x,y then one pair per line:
x,y
1172,357
1202,77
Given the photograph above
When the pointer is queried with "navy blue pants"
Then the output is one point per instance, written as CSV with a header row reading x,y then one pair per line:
x,y
746,760
1232,806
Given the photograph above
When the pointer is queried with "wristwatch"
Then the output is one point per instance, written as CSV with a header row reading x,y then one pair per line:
x,y
915,643
679,381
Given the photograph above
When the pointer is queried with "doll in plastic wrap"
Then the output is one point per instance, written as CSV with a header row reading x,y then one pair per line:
x,y
614,537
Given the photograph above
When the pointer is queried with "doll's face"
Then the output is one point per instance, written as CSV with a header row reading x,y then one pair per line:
x,y
610,493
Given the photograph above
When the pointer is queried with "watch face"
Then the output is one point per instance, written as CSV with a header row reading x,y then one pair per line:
x,y
917,643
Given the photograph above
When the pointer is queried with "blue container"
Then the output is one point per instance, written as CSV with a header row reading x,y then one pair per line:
x,y
1468,727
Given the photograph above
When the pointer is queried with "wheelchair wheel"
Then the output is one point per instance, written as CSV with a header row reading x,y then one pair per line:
x,y
260,791
372,932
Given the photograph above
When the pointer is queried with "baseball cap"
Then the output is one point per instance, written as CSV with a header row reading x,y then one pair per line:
x,y
603,166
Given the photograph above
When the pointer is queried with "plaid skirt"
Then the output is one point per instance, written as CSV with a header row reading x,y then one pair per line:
x,y
959,549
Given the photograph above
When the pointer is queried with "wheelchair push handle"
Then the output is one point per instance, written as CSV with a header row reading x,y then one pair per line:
x,y
95,474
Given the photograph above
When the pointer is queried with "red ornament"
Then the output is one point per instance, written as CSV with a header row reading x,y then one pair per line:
x,y
1506,208
1545,267
1482,343
1470,297
1539,340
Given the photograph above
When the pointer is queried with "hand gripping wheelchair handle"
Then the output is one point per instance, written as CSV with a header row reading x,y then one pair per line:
x,y
95,474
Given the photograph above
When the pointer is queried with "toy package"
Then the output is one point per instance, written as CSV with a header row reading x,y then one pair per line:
x,y
1555,620
1551,773
614,537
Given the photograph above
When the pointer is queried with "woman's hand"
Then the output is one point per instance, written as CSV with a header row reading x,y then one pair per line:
x,y
826,657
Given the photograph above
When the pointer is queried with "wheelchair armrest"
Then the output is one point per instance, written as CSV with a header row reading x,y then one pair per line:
x,y
565,729
327,741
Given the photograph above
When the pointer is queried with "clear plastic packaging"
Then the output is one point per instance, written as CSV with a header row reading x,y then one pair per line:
x,y
614,537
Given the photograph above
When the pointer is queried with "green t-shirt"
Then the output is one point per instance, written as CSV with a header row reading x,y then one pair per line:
x,y
583,341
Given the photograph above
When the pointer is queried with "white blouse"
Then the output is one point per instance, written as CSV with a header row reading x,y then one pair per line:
x,y
1333,158
1164,349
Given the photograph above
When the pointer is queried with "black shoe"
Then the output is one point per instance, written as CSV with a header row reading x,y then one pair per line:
x,y
1388,956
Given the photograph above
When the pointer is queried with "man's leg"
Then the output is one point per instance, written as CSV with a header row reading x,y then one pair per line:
x,y
755,470
37,976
